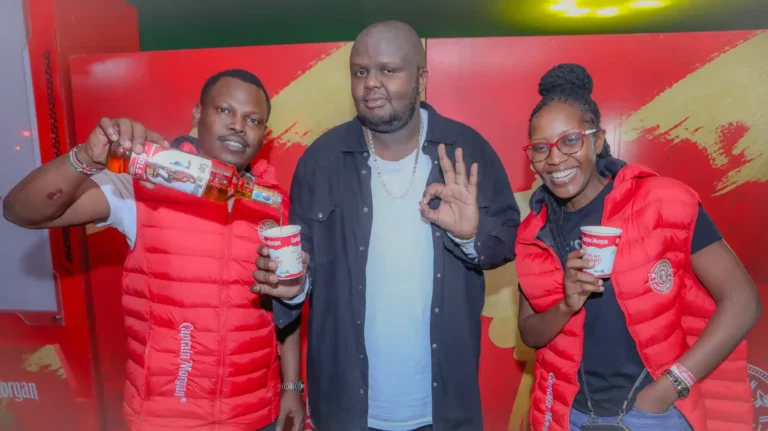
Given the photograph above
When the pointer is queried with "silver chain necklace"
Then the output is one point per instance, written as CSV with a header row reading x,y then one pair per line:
x,y
376,167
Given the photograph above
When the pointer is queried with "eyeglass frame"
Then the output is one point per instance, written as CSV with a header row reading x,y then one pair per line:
x,y
583,133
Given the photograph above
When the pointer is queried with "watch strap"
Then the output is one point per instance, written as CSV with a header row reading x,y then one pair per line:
x,y
295,386
681,387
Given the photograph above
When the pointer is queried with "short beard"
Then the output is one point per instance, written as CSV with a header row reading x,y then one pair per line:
x,y
397,120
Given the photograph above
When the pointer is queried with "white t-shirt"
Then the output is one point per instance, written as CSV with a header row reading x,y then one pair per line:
x,y
398,299
118,188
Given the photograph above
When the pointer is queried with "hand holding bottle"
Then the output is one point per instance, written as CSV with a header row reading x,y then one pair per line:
x,y
131,135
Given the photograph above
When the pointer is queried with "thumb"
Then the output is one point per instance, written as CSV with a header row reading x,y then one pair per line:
x,y
434,190
280,422
428,213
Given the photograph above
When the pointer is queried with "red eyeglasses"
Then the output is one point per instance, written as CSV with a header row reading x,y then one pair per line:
x,y
568,144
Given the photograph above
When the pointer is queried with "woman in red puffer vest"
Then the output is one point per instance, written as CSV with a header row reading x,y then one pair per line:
x,y
657,344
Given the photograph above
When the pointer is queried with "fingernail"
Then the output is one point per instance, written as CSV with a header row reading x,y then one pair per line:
x,y
127,143
602,288
113,136
273,279
600,282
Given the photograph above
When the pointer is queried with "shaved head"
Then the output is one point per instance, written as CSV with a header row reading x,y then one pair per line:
x,y
399,35
388,70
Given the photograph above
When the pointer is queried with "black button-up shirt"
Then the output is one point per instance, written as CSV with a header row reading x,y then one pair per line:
x,y
330,200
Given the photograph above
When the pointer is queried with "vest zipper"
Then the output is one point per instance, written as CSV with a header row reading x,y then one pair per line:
x,y
224,313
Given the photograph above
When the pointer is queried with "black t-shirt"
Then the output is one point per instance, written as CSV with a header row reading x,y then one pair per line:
x,y
611,362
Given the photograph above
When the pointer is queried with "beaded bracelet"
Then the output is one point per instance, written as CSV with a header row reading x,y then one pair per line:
x,y
684,374
80,166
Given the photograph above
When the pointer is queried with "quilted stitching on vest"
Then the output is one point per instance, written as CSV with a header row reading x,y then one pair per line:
x,y
202,352
658,216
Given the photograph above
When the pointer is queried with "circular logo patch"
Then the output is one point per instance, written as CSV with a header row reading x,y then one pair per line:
x,y
265,225
758,381
660,278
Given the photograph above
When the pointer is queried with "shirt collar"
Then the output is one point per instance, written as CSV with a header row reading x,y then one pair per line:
x,y
440,131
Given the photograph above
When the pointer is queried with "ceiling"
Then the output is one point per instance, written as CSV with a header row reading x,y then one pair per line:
x,y
169,24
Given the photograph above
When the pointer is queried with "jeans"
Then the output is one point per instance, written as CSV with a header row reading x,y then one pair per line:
x,y
637,420
269,427
426,428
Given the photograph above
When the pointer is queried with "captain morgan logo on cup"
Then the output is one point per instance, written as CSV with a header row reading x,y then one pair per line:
x,y
601,243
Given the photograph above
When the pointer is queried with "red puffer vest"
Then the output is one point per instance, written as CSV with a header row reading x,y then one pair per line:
x,y
665,306
202,352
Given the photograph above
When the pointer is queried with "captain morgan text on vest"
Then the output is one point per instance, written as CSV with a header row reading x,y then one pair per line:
x,y
181,300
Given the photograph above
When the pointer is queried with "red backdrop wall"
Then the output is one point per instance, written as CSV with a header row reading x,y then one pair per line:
x,y
56,355
688,105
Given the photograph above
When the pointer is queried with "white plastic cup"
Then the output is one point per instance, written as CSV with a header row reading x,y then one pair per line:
x,y
284,244
601,243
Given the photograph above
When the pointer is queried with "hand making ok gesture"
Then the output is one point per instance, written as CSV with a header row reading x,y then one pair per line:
x,y
457,212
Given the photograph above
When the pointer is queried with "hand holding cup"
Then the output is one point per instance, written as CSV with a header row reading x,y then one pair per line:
x,y
579,284
281,265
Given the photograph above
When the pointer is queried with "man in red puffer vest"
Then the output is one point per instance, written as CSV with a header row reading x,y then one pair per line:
x,y
202,352
664,326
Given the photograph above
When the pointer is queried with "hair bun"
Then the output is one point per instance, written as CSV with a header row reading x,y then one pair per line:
x,y
565,78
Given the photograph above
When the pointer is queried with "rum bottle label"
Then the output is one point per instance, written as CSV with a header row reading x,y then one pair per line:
x,y
178,170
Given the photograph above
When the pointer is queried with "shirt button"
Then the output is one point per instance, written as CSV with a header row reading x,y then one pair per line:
x,y
319,215
358,322
438,275
362,248
360,287
365,209
362,356
362,391
435,161
437,234
365,154
434,346
482,257
478,243
364,172
434,384
437,310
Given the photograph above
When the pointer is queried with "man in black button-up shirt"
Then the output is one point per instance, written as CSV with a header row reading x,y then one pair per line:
x,y
474,219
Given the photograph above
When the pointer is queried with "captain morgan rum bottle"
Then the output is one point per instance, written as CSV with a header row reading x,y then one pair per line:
x,y
187,173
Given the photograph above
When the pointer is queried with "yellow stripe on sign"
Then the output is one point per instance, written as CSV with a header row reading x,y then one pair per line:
x,y
731,89
315,102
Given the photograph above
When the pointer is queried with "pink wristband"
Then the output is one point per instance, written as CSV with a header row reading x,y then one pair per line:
x,y
684,374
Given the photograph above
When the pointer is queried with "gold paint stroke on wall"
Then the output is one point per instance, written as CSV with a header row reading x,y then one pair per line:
x,y
45,359
731,89
315,102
